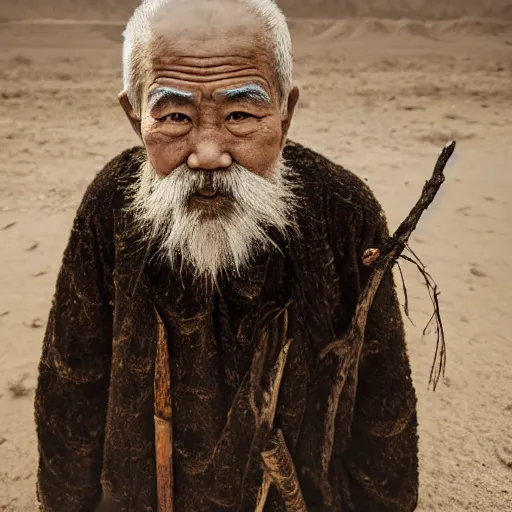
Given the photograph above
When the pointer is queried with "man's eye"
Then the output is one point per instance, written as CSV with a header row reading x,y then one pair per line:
x,y
239,116
175,117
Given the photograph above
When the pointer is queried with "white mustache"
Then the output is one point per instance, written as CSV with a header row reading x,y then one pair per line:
x,y
226,181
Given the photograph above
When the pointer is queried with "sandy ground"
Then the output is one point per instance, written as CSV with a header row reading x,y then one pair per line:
x,y
381,98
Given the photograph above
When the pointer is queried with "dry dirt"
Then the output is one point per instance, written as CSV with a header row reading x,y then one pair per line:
x,y
380,97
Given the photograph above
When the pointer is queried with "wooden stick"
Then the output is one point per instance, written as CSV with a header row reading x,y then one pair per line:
x,y
281,470
348,350
163,424
267,414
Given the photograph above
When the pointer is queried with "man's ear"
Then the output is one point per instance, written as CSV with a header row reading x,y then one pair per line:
x,y
132,116
293,97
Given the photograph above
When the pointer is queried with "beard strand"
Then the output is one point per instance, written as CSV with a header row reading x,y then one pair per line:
x,y
222,243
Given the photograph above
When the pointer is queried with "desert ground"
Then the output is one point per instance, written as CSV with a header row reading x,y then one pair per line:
x,y
380,97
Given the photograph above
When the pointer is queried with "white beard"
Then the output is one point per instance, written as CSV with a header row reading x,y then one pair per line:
x,y
220,243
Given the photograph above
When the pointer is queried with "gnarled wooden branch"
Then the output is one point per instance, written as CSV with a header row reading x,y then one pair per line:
x,y
348,350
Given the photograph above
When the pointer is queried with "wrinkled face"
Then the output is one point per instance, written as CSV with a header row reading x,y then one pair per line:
x,y
211,111
212,125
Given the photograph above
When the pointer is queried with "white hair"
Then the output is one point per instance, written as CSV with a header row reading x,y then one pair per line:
x,y
223,243
138,35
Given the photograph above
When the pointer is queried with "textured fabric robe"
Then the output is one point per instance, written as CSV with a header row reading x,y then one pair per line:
x,y
95,403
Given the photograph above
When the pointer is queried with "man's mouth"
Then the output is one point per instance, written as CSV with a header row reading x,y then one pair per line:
x,y
210,204
207,188
207,193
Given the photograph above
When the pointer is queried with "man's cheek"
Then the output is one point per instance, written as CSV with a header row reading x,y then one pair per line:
x,y
159,164
259,156
161,155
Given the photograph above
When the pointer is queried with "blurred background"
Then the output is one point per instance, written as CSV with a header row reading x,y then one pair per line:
x,y
384,85
394,9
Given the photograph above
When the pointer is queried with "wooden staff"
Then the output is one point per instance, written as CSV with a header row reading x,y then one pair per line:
x,y
347,351
163,424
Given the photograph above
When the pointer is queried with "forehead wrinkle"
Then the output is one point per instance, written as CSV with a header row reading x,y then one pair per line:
x,y
169,93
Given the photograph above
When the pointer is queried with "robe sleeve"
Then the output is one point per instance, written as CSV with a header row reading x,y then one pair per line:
x,y
72,390
380,462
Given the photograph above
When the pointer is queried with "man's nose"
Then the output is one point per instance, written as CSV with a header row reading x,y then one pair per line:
x,y
209,154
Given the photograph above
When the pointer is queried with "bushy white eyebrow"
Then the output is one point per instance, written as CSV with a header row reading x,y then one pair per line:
x,y
250,92
170,93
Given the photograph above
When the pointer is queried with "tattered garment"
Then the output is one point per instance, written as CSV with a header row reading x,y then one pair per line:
x,y
95,398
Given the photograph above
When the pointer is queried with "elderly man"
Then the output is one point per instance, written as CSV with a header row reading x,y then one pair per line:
x,y
234,256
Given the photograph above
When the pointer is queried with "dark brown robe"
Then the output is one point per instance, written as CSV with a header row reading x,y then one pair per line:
x,y
94,402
